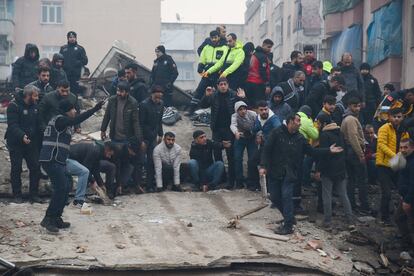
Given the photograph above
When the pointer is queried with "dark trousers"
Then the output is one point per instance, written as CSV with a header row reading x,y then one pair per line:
x,y
253,179
201,89
109,169
405,224
281,194
368,113
31,155
73,82
372,172
60,186
149,164
167,97
255,93
357,179
220,135
386,179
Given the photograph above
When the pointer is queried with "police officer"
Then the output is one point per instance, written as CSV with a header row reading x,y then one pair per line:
x,y
53,156
23,138
75,58
164,72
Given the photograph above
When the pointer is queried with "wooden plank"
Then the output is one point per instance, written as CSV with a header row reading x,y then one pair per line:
x,y
268,236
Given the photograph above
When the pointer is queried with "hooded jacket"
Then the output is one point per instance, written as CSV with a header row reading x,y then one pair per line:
x,y
75,58
25,68
164,71
294,95
212,58
332,166
266,126
388,144
57,74
307,129
353,133
242,124
317,94
22,119
282,110
207,41
233,60
259,69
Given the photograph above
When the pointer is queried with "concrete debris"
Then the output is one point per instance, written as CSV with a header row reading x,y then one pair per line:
x,y
364,268
80,249
120,246
366,219
189,224
314,244
86,258
48,238
384,260
405,256
20,223
86,209
36,254
322,253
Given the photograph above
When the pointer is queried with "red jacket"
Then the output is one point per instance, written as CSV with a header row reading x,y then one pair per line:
x,y
259,69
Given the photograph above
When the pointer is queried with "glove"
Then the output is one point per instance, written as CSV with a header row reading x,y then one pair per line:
x,y
99,105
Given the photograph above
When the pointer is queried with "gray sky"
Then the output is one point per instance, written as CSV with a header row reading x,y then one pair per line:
x,y
204,11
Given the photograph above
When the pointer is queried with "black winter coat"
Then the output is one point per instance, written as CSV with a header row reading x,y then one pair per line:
x,y
372,91
164,71
75,58
22,119
49,106
132,126
44,88
138,90
316,95
283,153
25,68
150,115
204,153
353,81
333,165
89,155
296,101
213,101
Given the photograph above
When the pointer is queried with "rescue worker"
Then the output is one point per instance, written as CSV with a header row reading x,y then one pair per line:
x,y
232,69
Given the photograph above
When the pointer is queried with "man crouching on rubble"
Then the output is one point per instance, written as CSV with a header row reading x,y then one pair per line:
x,y
283,151
53,156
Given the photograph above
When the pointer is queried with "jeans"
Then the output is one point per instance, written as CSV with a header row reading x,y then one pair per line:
x,y
239,147
109,169
60,185
281,194
211,175
386,179
31,154
327,186
220,135
357,178
73,167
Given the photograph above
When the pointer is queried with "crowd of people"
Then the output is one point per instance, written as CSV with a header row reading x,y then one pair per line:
x,y
306,121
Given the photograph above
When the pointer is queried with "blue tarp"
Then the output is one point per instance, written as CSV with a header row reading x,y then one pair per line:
x,y
349,40
384,33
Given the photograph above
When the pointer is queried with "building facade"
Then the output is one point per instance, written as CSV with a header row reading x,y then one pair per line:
x,y
98,24
290,24
181,41
380,32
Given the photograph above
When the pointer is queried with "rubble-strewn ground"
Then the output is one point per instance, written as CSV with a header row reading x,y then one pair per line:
x,y
180,231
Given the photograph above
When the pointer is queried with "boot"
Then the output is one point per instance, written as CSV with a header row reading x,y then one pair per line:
x,y
61,224
36,199
50,224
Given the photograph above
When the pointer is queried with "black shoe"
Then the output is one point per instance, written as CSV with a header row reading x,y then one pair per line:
x,y
283,230
176,188
36,199
61,224
365,211
159,190
44,176
50,225
18,199
78,203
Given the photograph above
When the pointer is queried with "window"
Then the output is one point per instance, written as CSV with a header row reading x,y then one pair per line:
x,y
288,26
279,32
185,71
51,13
298,23
4,49
49,51
6,9
263,11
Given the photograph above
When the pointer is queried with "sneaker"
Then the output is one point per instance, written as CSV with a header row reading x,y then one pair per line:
x,y
283,230
49,224
36,199
61,224
176,188
78,203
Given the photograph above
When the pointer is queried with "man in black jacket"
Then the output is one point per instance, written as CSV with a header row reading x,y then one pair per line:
x,y
90,156
164,72
150,115
57,74
282,158
23,137
352,77
206,172
320,90
222,107
43,75
404,216
295,64
49,106
75,58
293,90
138,88
25,67
372,93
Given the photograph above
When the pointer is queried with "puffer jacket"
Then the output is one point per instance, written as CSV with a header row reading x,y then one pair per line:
x,y
388,144
282,110
25,68
307,129
212,58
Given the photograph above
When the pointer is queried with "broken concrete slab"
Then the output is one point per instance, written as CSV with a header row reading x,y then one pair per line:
x,y
170,244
